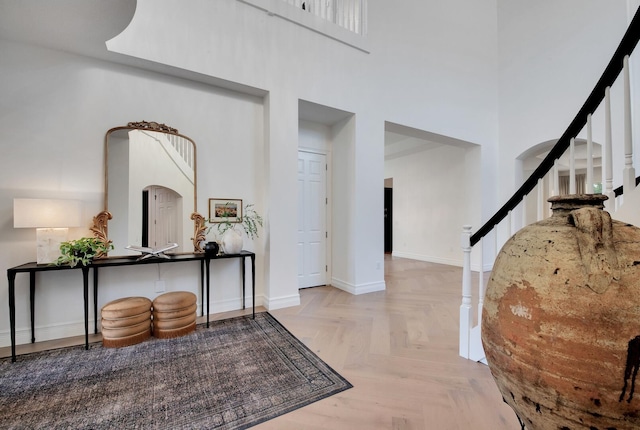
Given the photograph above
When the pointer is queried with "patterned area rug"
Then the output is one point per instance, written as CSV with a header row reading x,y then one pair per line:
x,y
233,375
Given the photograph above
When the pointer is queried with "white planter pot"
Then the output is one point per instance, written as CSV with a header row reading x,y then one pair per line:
x,y
232,242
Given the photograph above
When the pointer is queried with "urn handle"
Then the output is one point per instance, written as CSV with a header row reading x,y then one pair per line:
x,y
594,232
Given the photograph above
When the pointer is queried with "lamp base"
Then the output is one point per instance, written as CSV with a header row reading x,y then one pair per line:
x,y
48,242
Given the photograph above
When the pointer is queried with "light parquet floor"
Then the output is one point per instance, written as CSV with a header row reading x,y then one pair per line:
x,y
399,349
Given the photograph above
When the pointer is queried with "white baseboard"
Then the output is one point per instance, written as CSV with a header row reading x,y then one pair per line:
x,y
42,333
430,259
487,267
229,305
281,302
360,288
76,328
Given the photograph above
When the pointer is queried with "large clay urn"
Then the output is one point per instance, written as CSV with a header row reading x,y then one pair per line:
x,y
561,319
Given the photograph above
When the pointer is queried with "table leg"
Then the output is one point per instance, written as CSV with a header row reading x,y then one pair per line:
x,y
242,263
85,280
202,288
207,263
95,300
12,313
32,300
253,284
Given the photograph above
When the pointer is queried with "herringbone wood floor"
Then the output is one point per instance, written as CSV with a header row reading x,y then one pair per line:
x,y
399,349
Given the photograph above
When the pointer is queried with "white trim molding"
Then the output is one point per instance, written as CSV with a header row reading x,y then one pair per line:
x,y
354,289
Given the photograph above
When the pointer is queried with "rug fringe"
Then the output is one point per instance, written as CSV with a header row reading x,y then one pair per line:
x,y
127,340
176,332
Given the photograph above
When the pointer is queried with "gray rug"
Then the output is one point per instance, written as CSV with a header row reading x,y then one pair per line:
x,y
233,375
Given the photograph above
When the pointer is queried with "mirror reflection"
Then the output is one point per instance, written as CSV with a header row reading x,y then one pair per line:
x,y
150,187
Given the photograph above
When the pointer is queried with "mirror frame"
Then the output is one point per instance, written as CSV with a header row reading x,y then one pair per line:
x,y
100,226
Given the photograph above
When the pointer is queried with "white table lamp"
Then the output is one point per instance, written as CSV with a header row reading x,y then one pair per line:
x,y
51,218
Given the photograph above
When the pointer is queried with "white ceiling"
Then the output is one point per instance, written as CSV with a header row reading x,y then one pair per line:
x,y
47,23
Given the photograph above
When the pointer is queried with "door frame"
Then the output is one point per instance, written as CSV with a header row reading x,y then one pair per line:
x,y
328,206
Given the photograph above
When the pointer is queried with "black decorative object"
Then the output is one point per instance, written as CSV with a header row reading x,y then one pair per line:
x,y
211,249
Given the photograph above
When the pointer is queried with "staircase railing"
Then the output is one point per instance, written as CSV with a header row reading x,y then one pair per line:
x,y
470,344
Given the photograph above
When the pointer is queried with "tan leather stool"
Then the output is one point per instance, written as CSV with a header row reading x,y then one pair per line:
x,y
126,321
174,314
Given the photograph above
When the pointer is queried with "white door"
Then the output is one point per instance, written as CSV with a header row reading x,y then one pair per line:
x,y
312,219
163,216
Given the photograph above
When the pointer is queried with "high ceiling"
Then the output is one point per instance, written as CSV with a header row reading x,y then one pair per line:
x,y
47,23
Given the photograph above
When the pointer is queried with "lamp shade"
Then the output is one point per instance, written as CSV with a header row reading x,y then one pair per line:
x,y
46,213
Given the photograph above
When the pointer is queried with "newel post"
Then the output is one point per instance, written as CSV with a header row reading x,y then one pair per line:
x,y
465,307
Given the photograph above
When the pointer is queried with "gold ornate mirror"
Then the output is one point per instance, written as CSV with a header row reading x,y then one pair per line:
x,y
150,189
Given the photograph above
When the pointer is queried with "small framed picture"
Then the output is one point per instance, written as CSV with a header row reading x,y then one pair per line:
x,y
225,210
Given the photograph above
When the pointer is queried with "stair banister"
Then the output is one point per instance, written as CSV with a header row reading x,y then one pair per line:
x,y
610,74
470,344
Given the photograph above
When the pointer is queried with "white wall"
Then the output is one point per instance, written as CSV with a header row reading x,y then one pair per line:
x,y
552,53
432,66
429,188
56,108
423,70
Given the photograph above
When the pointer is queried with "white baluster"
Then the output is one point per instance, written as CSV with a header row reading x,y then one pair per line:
x,y
555,186
334,11
346,13
589,187
363,17
629,173
572,166
480,282
352,10
465,307
540,200
494,235
608,152
356,16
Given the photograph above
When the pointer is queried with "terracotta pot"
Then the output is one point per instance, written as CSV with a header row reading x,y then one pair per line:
x,y
561,319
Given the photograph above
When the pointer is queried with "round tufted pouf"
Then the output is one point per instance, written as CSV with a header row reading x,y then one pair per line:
x,y
174,314
126,321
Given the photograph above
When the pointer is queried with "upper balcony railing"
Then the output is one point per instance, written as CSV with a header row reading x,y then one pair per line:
x,y
349,14
344,21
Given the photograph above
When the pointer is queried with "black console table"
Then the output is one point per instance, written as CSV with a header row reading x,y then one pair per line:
x,y
33,268
243,256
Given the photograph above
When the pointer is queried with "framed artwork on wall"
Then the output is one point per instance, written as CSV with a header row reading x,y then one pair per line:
x,y
225,210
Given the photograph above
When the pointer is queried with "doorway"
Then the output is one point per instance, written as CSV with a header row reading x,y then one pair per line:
x,y
388,218
160,216
312,219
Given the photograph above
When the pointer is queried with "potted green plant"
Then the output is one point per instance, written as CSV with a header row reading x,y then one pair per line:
x,y
82,251
230,237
